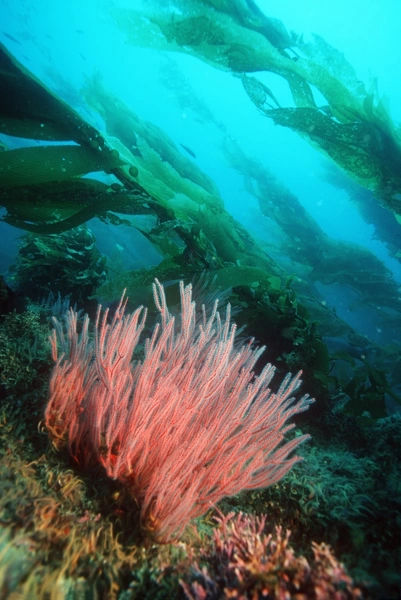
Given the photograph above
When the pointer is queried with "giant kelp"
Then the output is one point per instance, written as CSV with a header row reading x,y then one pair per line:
x,y
42,164
320,258
29,110
68,262
387,227
163,170
194,231
43,192
188,202
354,127
39,185
55,207
174,80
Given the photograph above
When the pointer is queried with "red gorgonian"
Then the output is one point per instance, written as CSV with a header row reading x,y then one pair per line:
x,y
185,426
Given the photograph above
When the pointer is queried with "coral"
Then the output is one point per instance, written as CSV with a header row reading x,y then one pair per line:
x,y
182,429
57,541
242,561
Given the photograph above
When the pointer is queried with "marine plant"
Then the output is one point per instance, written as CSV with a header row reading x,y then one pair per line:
x,y
68,263
349,122
54,543
24,350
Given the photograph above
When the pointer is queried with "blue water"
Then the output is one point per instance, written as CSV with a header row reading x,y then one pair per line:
x,y
64,43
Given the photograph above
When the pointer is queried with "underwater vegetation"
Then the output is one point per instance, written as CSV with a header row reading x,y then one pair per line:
x,y
24,353
68,262
66,533
353,127
164,468
74,531
57,542
52,543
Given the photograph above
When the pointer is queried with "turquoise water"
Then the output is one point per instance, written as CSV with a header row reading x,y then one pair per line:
x,y
234,190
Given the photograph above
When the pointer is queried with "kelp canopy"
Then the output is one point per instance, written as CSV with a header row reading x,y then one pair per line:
x,y
40,185
353,127
46,188
43,191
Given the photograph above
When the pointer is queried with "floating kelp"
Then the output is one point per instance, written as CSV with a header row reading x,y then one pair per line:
x,y
190,200
387,228
29,110
41,164
173,79
54,207
326,260
68,263
153,152
49,173
42,193
354,128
